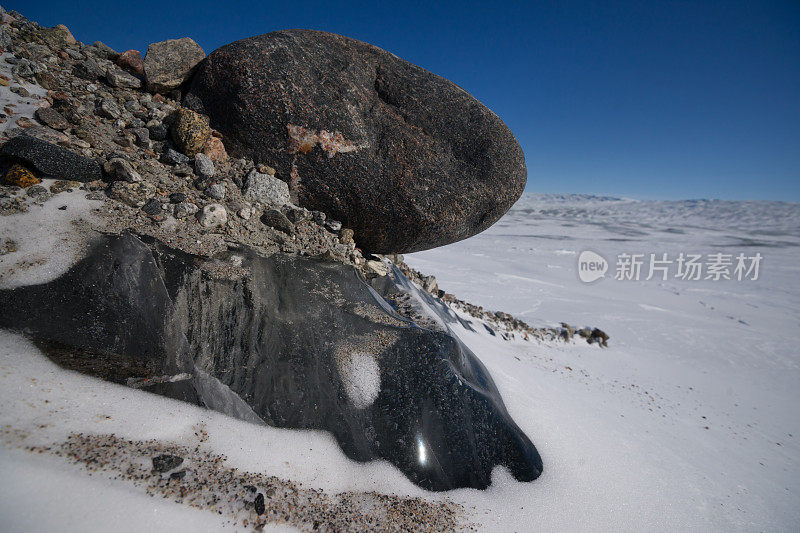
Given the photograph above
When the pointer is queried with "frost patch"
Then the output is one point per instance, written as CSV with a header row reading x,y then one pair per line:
x,y
361,377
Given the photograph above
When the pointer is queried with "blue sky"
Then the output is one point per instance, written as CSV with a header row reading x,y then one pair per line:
x,y
648,99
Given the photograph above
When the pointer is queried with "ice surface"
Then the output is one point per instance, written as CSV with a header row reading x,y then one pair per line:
x,y
48,403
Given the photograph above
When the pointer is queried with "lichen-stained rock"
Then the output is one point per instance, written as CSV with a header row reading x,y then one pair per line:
x,y
51,160
56,38
68,38
168,64
21,177
190,131
133,194
404,157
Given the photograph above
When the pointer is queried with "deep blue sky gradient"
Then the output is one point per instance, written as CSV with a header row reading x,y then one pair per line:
x,y
650,99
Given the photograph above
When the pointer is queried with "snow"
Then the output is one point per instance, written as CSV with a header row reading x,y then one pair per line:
x,y
42,498
46,236
622,430
361,377
22,106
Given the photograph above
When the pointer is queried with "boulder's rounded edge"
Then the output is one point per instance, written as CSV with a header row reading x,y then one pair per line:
x,y
406,158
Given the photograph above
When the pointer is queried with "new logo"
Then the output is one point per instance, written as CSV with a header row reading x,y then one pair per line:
x,y
591,266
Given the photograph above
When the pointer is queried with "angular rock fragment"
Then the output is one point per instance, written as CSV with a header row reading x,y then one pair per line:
x,y
266,189
52,118
203,166
133,194
276,219
131,60
190,131
185,209
168,64
50,159
119,78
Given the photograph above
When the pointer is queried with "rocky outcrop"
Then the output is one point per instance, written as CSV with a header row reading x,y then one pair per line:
x,y
404,157
294,342
56,38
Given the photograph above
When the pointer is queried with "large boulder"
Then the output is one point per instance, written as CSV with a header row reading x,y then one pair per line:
x,y
168,64
406,158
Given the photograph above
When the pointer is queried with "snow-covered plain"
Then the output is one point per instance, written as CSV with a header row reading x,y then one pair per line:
x,y
688,421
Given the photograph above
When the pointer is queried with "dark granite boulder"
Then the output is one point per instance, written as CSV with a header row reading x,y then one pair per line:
x,y
404,157
296,343
50,159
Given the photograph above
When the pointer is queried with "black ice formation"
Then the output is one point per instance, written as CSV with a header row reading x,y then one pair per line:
x,y
285,346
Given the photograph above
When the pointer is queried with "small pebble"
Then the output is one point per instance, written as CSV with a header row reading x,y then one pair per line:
x,y
215,191
212,215
165,463
259,504
203,166
185,209
153,207
172,157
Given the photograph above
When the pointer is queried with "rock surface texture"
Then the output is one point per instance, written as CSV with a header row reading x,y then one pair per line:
x,y
190,132
50,159
134,311
406,158
170,63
